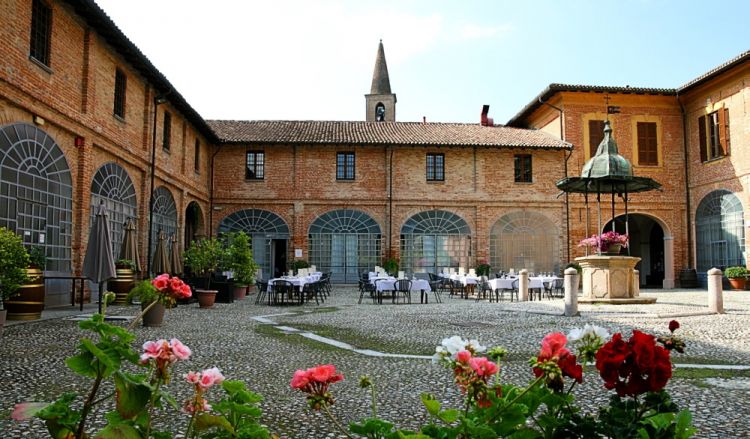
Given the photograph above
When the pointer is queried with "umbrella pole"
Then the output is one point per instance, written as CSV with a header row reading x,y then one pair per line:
x,y
101,286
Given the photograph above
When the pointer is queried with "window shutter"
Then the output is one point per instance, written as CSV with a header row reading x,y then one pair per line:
x,y
702,138
596,135
724,130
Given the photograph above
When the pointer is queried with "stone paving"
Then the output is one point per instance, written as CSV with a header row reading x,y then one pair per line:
x,y
228,336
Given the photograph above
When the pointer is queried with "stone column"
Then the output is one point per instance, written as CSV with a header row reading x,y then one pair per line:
x,y
715,292
668,262
571,292
523,285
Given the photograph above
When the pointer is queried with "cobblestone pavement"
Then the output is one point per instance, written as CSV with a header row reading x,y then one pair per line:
x,y
32,354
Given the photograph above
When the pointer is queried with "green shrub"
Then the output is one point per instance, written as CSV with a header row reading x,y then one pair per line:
x,y
37,257
735,272
299,263
13,263
203,257
239,258
144,291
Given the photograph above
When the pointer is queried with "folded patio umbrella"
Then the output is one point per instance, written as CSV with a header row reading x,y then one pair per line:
x,y
175,257
129,248
99,263
161,256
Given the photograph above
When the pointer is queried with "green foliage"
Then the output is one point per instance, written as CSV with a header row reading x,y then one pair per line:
x,y
238,415
203,257
13,263
735,272
144,291
239,258
299,263
483,269
575,265
390,265
37,257
125,263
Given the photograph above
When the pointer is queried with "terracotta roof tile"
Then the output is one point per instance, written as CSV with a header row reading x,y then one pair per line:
x,y
380,133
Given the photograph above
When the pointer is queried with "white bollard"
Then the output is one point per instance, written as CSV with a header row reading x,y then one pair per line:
x,y
523,285
571,292
715,291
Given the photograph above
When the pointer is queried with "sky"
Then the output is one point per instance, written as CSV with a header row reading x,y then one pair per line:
x,y
313,60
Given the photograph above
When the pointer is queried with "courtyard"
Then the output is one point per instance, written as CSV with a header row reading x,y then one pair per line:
x,y
263,346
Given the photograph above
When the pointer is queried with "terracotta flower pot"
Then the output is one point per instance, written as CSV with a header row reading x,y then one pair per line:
x,y
154,316
737,283
206,298
239,292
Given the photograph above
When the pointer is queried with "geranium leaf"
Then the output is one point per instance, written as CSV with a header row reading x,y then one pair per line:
x,y
131,396
82,364
431,404
204,421
118,431
449,416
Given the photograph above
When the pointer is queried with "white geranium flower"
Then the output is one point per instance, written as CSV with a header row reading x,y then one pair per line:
x,y
575,334
588,331
476,346
454,345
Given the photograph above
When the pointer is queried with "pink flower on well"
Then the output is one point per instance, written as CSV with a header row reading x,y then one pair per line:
x,y
180,351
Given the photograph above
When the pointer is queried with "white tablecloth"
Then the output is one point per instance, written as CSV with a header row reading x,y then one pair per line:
x,y
507,284
296,281
465,280
416,285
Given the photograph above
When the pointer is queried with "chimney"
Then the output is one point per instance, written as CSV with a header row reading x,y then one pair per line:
x,y
484,120
424,120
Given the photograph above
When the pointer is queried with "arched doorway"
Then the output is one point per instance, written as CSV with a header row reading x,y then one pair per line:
x,y
433,240
112,186
719,232
646,240
193,223
525,239
165,216
36,200
345,242
269,233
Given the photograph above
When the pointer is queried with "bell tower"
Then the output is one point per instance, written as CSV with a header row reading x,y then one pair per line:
x,y
380,103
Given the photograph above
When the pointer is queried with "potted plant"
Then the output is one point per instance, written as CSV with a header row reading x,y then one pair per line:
x,y
124,282
737,277
203,258
239,260
13,263
610,243
299,263
28,302
147,294
483,268
390,265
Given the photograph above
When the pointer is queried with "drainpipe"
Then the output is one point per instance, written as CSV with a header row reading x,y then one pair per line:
x,y
390,203
688,214
211,194
565,164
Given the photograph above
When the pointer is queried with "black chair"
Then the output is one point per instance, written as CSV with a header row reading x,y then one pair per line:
x,y
262,291
313,290
368,288
483,288
402,286
512,290
436,286
283,292
555,288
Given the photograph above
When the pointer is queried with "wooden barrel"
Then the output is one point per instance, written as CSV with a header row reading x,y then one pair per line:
x,y
122,285
28,303
688,278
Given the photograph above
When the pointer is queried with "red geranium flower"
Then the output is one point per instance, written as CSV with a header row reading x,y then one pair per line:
x,y
634,367
554,351
674,325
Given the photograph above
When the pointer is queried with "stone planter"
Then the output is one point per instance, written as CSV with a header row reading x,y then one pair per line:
x,y
155,315
28,303
206,298
613,249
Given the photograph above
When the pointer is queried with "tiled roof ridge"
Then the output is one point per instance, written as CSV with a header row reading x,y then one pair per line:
x,y
720,68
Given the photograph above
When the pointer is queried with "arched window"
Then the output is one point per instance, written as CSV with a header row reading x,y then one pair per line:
x,y
527,240
112,186
720,232
165,216
36,192
345,242
269,233
433,240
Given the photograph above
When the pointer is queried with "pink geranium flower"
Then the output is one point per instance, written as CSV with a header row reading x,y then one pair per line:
x,y
483,367
463,356
180,351
209,377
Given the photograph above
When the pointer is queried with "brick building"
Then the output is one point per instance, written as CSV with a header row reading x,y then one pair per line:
x,y
82,110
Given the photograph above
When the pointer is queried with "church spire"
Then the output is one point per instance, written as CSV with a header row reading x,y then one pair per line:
x,y
381,102
381,84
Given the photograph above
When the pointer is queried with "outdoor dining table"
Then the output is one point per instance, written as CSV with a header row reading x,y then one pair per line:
x,y
536,282
419,285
